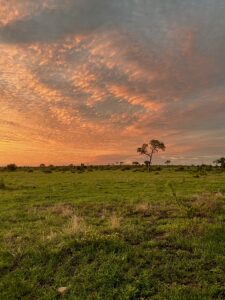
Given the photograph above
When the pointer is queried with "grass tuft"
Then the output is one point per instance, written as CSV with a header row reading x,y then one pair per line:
x,y
75,226
115,222
143,208
207,205
64,210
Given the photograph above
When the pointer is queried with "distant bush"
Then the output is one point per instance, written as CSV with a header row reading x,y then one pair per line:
x,y
209,168
47,171
135,163
11,167
2,184
158,168
181,168
80,172
80,169
126,168
220,162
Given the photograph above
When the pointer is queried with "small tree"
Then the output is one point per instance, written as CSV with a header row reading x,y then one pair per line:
x,y
154,146
221,162
167,162
11,167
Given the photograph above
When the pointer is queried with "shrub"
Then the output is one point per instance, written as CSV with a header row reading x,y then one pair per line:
x,y
11,167
158,169
47,171
180,168
2,184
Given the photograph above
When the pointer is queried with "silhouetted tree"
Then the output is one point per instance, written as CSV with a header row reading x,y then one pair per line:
x,y
11,167
151,148
167,162
135,163
221,162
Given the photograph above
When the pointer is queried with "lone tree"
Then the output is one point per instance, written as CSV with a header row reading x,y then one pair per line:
x,y
154,146
221,162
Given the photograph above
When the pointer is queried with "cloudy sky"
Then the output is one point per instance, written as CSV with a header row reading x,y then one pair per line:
x,y
91,80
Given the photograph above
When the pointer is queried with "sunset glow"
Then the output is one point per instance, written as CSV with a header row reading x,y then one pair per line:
x,y
91,80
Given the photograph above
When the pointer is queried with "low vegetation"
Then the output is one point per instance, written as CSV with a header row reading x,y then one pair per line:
x,y
112,232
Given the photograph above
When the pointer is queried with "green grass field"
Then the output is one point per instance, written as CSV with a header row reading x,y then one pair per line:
x,y
112,234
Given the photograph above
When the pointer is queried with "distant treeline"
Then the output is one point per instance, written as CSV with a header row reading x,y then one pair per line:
x,y
135,167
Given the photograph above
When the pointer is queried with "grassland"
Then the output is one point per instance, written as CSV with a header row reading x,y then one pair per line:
x,y
112,234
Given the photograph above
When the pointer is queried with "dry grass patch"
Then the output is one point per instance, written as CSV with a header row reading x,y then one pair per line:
x,y
197,229
76,225
51,236
115,222
64,210
143,208
10,237
103,214
207,204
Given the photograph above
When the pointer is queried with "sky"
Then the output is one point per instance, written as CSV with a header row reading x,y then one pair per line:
x,y
92,80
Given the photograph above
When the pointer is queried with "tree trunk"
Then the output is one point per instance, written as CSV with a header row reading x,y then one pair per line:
x,y
150,161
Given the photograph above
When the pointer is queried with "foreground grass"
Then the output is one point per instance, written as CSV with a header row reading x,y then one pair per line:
x,y
112,235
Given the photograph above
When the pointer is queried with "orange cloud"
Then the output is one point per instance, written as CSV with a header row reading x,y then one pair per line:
x,y
125,94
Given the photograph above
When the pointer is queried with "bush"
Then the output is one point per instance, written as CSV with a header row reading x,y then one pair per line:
x,y
181,168
47,171
158,168
2,184
126,168
11,167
